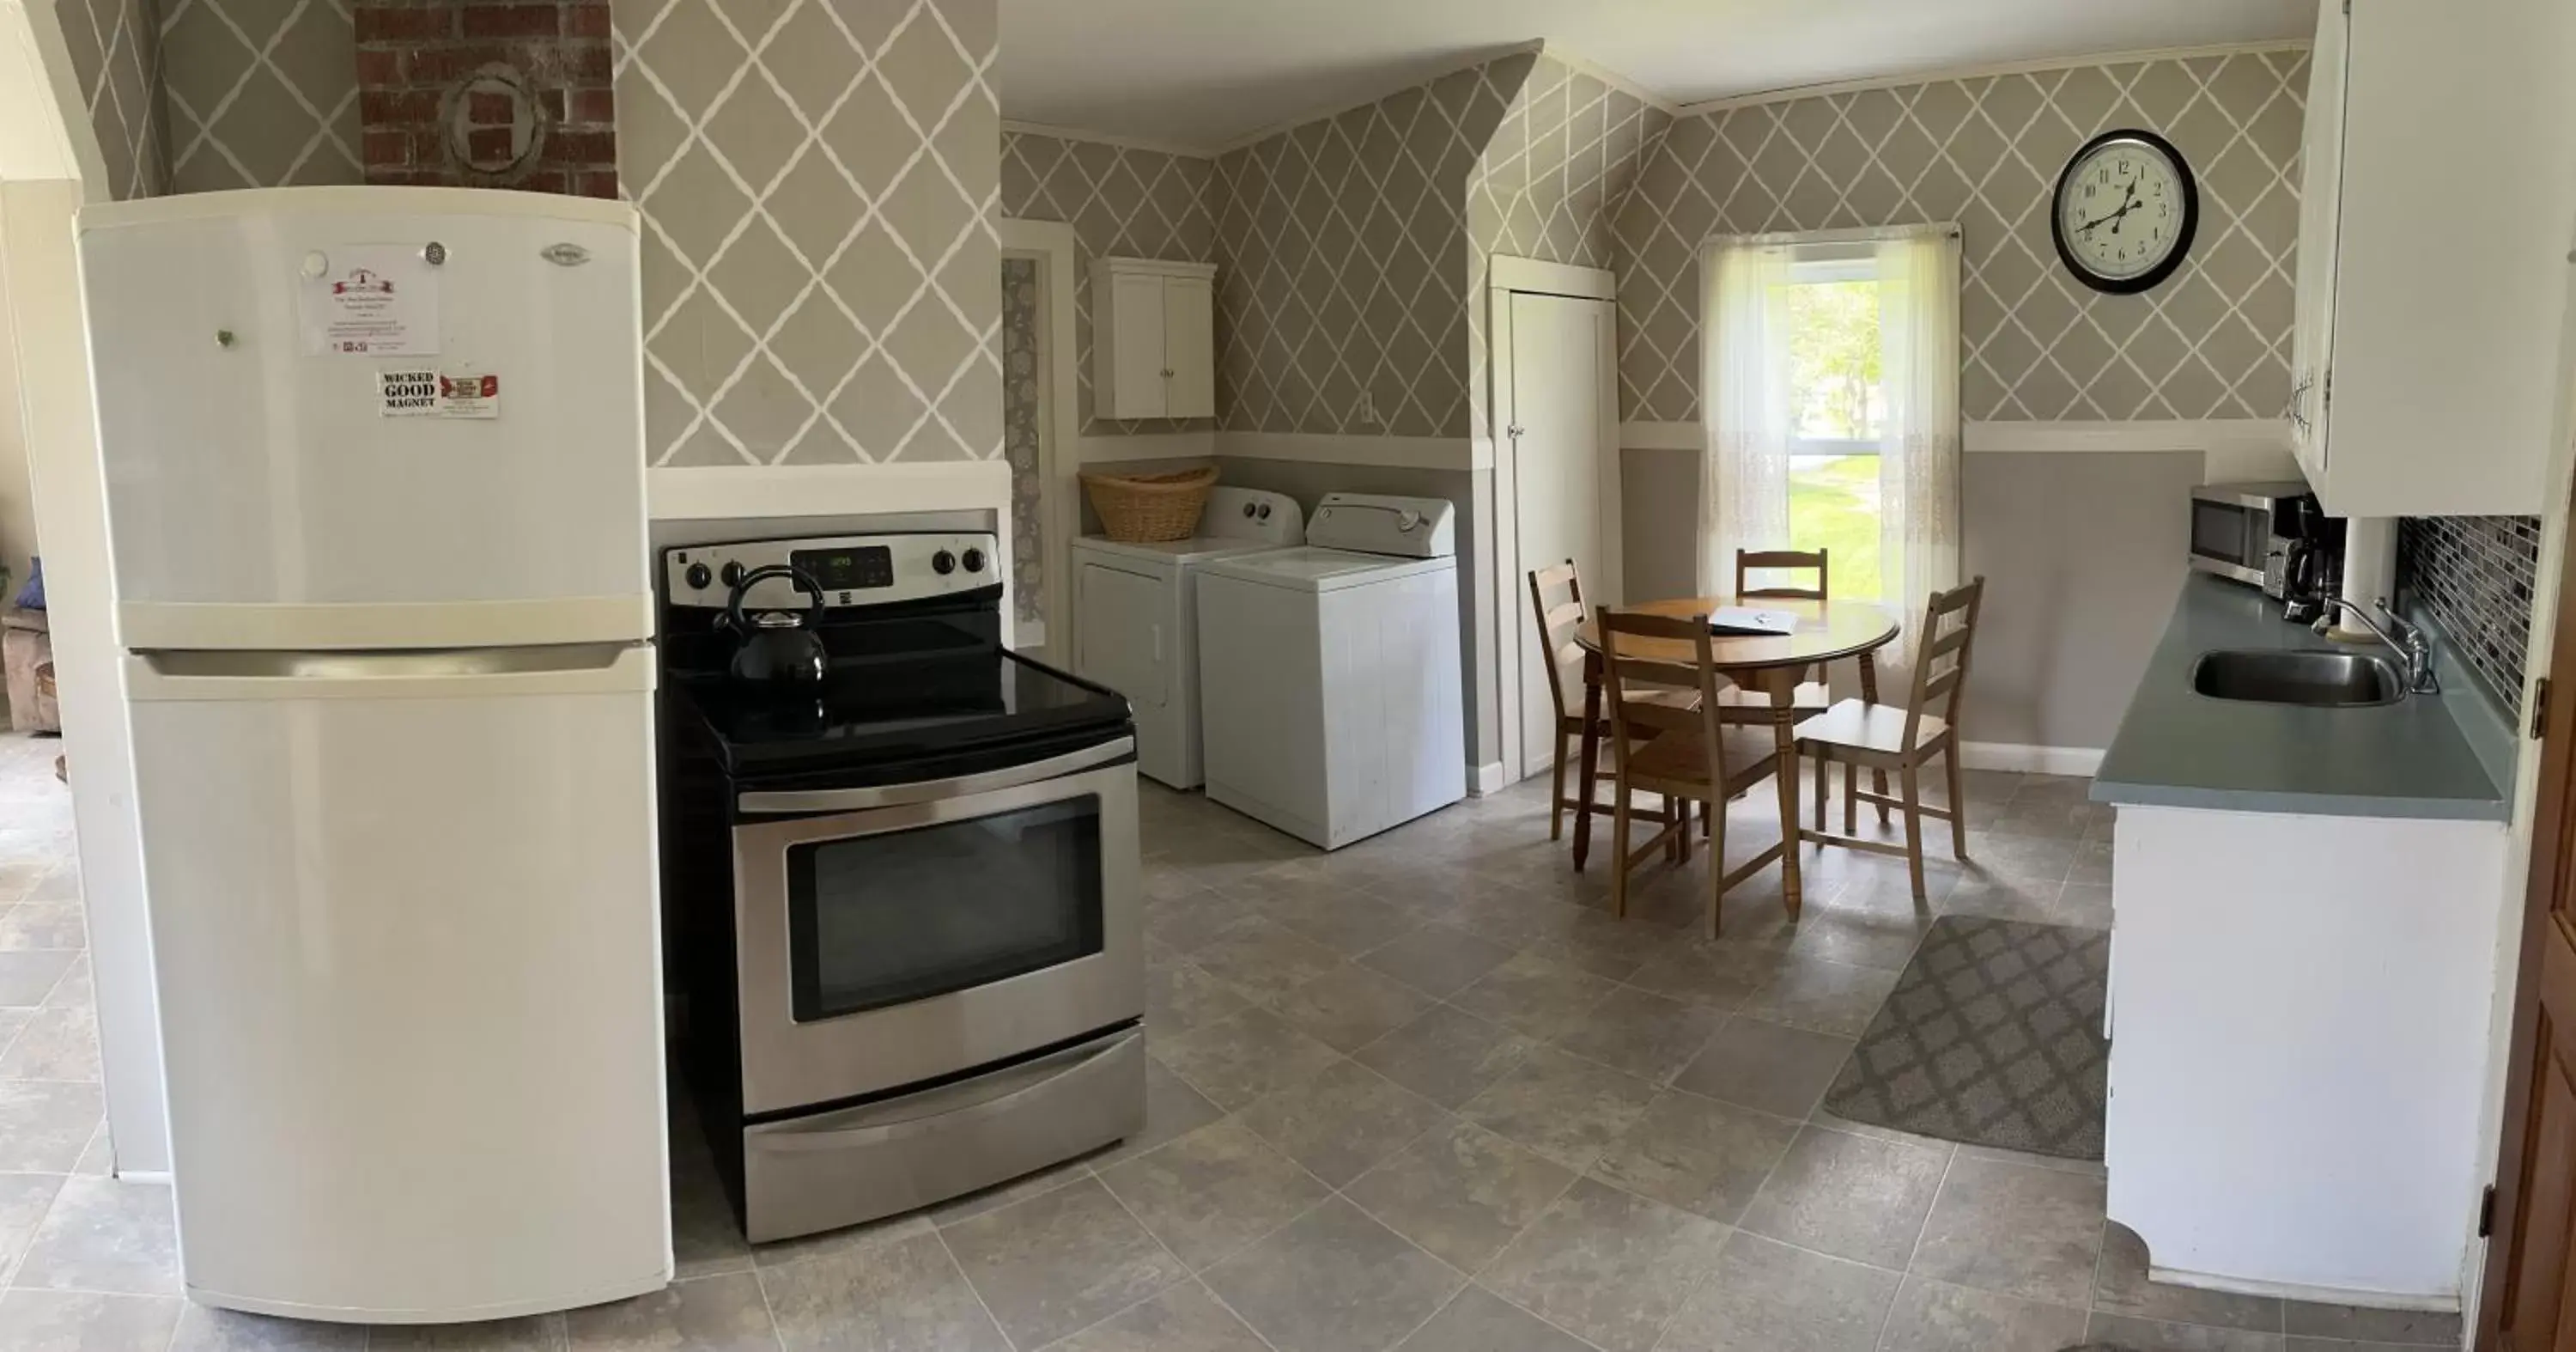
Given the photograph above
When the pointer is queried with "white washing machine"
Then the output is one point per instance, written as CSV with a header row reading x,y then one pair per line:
x,y
1331,702
1136,629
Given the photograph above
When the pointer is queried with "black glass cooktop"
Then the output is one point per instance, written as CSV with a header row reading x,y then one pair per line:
x,y
895,692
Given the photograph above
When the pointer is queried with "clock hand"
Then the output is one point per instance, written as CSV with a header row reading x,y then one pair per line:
x,y
2126,203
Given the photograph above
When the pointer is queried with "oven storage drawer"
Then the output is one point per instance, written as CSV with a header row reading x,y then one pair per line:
x,y
831,1169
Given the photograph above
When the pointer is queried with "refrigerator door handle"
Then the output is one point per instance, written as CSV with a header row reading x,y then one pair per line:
x,y
558,668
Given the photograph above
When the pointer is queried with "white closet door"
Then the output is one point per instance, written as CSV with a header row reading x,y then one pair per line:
x,y
1189,347
1137,306
1565,477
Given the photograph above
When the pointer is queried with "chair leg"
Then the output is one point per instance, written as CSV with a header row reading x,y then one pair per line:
x,y
1679,811
1958,801
1716,869
1913,829
1707,819
1824,769
1556,796
1851,799
1619,811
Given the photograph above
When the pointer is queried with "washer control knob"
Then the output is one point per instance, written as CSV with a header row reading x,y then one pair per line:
x,y
943,563
699,575
732,573
974,560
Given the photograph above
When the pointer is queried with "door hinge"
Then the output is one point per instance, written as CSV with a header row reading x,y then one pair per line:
x,y
2486,1213
2540,708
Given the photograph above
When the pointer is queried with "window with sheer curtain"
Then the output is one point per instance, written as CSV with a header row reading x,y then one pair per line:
x,y
1832,396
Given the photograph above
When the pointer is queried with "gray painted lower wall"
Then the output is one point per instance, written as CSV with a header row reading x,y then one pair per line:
x,y
2082,555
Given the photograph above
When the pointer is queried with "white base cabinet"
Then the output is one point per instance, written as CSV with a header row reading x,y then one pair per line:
x,y
2437,212
2299,1041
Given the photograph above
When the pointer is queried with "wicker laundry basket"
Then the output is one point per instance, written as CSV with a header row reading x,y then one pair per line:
x,y
1147,507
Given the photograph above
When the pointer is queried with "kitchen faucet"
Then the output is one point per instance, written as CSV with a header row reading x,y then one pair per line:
x,y
2409,641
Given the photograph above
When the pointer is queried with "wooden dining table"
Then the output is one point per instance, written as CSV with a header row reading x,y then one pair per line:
x,y
1769,665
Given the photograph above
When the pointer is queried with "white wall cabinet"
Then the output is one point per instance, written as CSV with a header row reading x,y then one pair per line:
x,y
2436,216
1153,338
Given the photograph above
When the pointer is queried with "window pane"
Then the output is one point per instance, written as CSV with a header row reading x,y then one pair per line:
x,y
1834,391
1833,505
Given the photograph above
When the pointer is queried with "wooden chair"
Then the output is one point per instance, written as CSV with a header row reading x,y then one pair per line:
x,y
1681,750
1556,597
1882,737
1813,697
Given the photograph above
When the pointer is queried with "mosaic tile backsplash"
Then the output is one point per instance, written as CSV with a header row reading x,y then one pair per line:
x,y
2476,574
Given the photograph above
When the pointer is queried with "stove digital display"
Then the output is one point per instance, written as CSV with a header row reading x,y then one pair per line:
x,y
847,569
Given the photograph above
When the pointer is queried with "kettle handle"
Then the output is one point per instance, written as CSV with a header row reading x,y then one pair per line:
x,y
798,576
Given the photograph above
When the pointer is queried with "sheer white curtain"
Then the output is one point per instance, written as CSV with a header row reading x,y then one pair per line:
x,y
1744,395
1918,459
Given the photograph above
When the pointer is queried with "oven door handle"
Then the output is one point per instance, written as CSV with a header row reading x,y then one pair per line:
x,y
783,801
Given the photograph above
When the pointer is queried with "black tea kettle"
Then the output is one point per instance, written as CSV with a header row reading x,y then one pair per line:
x,y
777,654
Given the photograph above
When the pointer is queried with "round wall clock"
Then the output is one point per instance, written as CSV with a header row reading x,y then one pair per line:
x,y
2125,211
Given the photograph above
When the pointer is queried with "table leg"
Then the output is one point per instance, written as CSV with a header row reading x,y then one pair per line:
x,y
1784,719
1591,759
1869,695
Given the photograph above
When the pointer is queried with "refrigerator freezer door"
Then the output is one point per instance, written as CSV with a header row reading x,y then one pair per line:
x,y
405,931
266,494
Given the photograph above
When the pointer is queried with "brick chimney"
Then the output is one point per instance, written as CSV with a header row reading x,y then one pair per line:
x,y
488,93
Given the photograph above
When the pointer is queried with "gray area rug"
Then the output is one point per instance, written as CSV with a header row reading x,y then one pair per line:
x,y
1993,1037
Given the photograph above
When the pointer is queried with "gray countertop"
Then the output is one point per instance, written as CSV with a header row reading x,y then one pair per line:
x,y
2177,748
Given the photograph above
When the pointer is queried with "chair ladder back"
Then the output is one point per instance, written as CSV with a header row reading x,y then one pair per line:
x,y
1626,674
1941,659
1557,623
1747,560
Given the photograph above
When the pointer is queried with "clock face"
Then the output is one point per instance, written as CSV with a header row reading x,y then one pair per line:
x,y
2126,208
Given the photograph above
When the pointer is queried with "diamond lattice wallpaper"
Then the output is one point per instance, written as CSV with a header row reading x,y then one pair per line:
x,y
1122,203
117,63
1340,253
1549,182
259,93
819,184
2212,342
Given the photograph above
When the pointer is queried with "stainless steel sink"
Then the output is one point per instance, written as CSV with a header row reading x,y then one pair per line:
x,y
2320,679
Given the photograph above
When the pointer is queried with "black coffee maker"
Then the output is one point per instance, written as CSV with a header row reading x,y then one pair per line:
x,y
2303,566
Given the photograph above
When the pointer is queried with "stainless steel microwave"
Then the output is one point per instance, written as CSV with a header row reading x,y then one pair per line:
x,y
2238,529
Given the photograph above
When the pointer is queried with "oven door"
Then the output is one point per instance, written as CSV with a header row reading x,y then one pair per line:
x,y
890,935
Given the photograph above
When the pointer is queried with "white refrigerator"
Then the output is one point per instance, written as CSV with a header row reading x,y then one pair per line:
x,y
375,489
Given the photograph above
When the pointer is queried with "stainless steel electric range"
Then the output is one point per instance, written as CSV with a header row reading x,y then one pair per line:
x,y
903,899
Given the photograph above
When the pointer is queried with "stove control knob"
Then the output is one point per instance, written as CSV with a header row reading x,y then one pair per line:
x,y
732,574
974,560
943,563
699,575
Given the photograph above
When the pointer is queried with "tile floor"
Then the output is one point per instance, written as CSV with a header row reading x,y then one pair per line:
x,y
1424,1093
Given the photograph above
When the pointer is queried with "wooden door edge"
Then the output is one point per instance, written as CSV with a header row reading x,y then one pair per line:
x,y
2553,831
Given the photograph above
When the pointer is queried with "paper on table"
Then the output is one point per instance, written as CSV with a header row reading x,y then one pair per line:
x,y
1746,620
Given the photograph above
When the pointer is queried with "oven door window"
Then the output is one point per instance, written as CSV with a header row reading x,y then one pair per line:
x,y
880,920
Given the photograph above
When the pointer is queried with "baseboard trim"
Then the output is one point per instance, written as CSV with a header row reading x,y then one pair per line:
x,y
143,1175
2435,1303
1486,779
2081,761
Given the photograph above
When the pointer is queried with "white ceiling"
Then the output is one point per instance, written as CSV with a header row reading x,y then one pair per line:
x,y
1202,73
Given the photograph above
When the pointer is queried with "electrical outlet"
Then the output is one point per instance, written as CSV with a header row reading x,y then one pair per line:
x,y
1368,408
